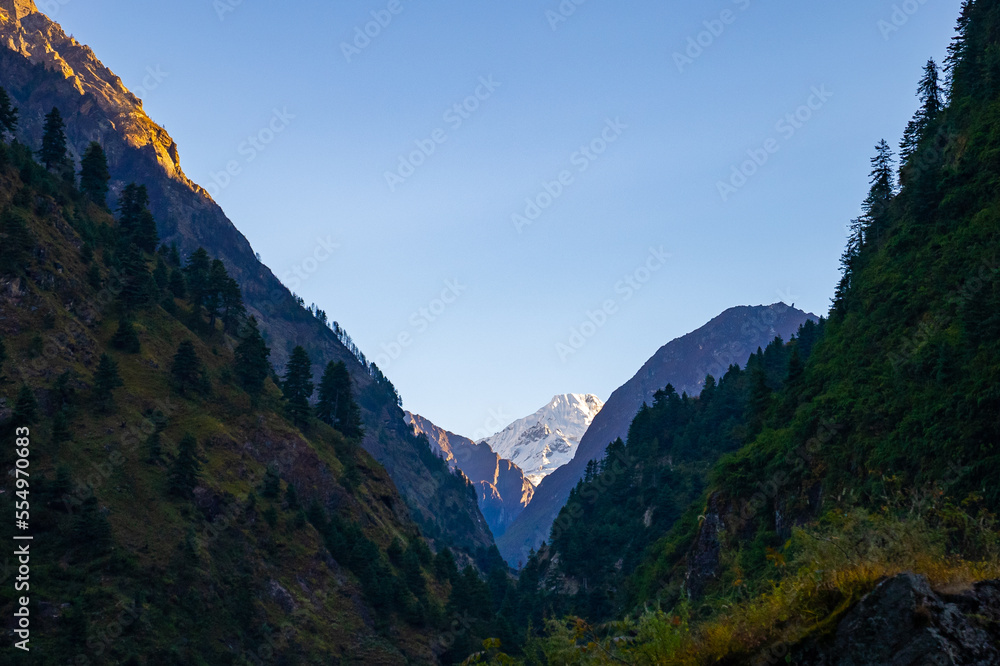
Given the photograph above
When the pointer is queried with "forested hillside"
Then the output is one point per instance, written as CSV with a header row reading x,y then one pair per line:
x,y
757,515
42,67
174,474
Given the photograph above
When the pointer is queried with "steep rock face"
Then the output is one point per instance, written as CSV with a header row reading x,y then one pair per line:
x,y
904,621
501,486
41,67
548,439
728,339
17,9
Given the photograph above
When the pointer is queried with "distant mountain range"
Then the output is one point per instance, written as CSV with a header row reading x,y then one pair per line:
x,y
728,339
548,439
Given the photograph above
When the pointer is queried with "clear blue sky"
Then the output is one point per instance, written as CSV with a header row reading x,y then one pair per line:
x,y
678,133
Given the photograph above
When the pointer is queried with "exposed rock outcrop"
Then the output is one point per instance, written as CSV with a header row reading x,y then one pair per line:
x,y
501,486
903,622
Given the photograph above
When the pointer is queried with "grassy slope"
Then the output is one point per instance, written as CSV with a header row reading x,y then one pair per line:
x,y
247,580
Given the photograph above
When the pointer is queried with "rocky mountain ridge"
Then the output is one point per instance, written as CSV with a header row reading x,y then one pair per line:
x,y
501,486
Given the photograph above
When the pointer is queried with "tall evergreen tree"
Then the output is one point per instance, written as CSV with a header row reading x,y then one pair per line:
x,y
8,115
197,272
187,369
138,286
3,359
233,309
176,283
106,380
135,219
53,152
958,50
160,274
855,242
25,407
931,103
186,469
336,405
94,174
251,359
16,241
125,338
883,189
298,386
217,277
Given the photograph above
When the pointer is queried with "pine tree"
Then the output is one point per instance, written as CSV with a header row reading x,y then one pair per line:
x,y
958,50
796,368
272,483
94,276
135,219
8,115
60,427
160,275
291,497
187,370
883,189
147,237
176,283
125,338
298,386
196,274
16,241
186,469
233,309
3,359
252,366
931,104
217,277
106,380
336,405
25,407
94,174
53,152
138,287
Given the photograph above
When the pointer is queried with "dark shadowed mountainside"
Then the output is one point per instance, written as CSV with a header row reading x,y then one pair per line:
x,y
41,67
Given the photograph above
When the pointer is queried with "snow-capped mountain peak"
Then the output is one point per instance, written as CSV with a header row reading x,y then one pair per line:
x,y
545,441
